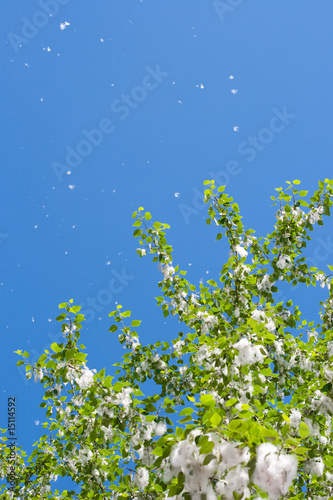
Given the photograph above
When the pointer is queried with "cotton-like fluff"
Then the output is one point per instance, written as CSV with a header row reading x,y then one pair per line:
x,y
229,464
329,477
108,432
38,375
124,397
160,429
261,317
236,481
146,456
314,466
186,457
314,427
295,417
231,455
141,478
167,271
258,315
274,472
85,455
270,325
283,262
265,284
323,404
150,428
178,347
240,251
248,353
86,379
208,321
314,215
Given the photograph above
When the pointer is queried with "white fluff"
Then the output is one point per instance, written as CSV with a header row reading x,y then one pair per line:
x,y
240,251
141,478
314,466
274,472
248,353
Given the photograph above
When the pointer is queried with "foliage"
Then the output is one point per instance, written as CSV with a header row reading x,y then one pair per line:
x,y
243,405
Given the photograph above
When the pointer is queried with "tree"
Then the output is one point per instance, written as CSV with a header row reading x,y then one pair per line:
x,y
243,405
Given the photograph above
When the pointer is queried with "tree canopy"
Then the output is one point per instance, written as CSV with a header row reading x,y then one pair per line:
x,y
243,395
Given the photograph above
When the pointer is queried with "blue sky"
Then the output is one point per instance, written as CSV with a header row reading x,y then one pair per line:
x,y
140,102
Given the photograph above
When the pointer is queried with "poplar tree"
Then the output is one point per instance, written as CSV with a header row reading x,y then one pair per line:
x,y
243,398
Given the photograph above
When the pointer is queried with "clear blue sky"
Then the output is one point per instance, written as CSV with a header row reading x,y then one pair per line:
x,y
154,81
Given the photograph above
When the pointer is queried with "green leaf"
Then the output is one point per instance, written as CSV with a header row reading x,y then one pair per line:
x,y
113,328
215,419
147,216
212,283
69,353
186,411
61,317
327,387
75,309
80,356
301,450
207,447
175,490
237,496
304,430
231,402
181,478
55,347
291,442
135,322
107,382
186,419
207,400
125,314
208,458
158,451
